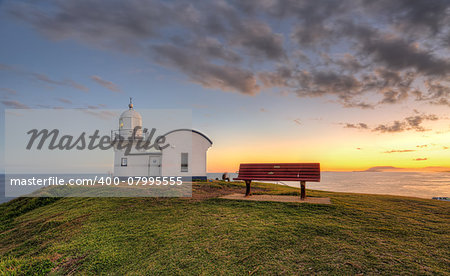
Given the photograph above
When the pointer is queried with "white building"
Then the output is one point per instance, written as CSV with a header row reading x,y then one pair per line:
x,y
185,156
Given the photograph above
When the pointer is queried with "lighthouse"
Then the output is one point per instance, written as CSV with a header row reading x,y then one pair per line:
x,y
136,162
186,156
128,121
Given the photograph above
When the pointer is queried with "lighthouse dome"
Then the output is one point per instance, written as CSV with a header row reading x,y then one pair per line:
x,y
128,121
131,113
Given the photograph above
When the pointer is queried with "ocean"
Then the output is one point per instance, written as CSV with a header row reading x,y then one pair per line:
x,y
415,184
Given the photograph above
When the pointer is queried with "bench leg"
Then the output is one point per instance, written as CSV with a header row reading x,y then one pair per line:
x,y
303,190
247,190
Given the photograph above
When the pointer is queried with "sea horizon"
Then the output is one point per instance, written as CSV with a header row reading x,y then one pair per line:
x,y
410,184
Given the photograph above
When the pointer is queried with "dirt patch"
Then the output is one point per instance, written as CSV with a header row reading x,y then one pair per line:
x,y
278,198
202,191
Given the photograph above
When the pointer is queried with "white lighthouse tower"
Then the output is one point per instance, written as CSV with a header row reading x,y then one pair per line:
x,y
185,157
136,162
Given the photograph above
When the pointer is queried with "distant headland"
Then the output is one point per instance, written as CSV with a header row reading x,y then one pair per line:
x,y
396,169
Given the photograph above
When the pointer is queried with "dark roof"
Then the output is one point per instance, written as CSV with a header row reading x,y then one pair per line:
x,y
195,131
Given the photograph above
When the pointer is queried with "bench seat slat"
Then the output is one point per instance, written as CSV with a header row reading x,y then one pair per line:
x,y
274,178
280,171
278,179
279,164
278,175
278,167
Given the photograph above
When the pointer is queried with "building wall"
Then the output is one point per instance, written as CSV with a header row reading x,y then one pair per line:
x,y
182,141
185,141
137,165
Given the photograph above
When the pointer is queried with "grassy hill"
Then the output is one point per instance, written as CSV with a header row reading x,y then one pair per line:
x,y
369,234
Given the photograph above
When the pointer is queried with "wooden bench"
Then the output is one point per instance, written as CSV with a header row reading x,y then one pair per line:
x,y
279,172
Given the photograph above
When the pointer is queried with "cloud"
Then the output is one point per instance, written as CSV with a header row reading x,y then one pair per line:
x,y
358,126
438,93
416,121
212,48
349,104
64,100
102,114
346,50
398,151
318,83
282,77
396,126
413,16
258,40
107,84
43,77
122,28
394,96
225,77
349,63
8,91
420,159
421,146
15,104
322,81
441,101
409,123
396,53
99,106
306,35
66,82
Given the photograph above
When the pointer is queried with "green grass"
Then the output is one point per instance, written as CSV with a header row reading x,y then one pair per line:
x,y
370,234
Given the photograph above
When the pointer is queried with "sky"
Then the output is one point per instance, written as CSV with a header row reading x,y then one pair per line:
x,y
350,84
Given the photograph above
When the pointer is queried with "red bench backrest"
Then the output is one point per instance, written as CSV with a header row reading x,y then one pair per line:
x,y
280,171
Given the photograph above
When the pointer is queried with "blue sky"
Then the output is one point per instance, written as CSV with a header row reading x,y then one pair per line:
x,y
256,75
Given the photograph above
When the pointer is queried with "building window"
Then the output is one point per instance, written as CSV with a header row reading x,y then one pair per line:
x,y
184,162
123,162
